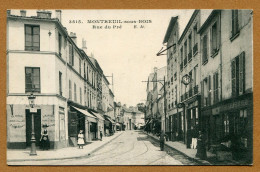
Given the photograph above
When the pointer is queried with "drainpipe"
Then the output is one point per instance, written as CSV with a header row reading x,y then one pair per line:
x,y
220,53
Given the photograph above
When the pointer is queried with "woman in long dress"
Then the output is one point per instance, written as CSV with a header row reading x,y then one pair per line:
x,y
81,139
44,141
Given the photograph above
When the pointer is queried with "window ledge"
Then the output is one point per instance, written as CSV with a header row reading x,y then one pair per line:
x,y
205,62
233,37
215,53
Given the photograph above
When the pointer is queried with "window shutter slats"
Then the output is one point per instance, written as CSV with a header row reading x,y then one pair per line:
x,y
241,73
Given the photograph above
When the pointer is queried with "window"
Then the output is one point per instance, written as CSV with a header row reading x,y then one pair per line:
x,y
71,54
195,35
235,24
238,75
190,43
70,90
204,49
205,91
215,87
84,70
80,66
226,124
32,79
75,92
80,95
60,83
32,38
87,72
214,39
185,53
175,76
60,42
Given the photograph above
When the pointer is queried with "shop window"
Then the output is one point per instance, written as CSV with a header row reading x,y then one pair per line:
x,y
32,79
32,38
226,124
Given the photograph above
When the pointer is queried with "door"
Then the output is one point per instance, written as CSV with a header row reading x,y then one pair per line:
x,y
37,127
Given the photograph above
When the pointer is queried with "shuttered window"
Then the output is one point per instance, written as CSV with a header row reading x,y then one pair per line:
x,y
75,92
214,37
204,49
71,55
70,90
235,22
238,75
32,38
60,43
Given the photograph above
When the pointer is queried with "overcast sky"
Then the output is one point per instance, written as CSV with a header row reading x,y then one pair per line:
x,y
128,53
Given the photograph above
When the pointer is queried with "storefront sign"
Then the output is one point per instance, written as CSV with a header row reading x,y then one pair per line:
x,y
234,105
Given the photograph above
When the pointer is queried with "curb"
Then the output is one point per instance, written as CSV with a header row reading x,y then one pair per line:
x,y
85,155
197,160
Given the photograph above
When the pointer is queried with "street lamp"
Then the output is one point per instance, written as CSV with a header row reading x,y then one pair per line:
x,y
31,99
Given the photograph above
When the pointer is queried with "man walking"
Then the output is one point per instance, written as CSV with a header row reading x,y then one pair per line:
x,y
162,140
101,135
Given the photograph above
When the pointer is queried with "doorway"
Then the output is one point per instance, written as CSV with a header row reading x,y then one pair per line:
x,y
37,127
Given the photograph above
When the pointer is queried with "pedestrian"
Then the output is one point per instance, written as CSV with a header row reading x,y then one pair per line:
x,y
44,140
81,141
162,140
101,135
194,139
201,148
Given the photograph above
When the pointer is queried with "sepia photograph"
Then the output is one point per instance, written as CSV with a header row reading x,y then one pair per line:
x,y
123,87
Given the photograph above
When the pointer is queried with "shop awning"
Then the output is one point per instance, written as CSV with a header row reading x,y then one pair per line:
x,y
84,112
98,116
110,120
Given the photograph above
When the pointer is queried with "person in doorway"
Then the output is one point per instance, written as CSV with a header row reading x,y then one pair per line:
x,y
101,135
194,138
201,149
81,139
44,141
162,140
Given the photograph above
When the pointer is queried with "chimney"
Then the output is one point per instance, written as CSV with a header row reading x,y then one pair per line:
x,y
73,36
84,47
58,15
44,14
23,13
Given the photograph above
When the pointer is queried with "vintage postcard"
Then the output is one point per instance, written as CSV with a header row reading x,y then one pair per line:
x,y
129,87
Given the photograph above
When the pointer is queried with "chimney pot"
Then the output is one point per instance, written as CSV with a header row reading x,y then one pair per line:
x,y
58,15
44,14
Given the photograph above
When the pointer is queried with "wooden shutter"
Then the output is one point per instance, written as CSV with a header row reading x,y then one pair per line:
x,y
202,92
209,92
241,73
214,88
233,77
216,82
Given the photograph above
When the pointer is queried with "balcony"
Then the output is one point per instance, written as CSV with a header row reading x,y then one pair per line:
x,y
185,61
190,92
195,48
189,56
181,66
196,89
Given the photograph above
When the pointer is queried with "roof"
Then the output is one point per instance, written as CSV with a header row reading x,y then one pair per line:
x,y
169,30
206,23
188,25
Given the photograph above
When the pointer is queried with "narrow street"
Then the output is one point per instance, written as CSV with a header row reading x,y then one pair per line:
x,y
131,148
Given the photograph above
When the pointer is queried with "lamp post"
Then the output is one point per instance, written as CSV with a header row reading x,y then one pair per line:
x,y
31,99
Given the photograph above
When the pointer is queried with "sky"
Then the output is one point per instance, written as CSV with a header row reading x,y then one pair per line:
x,y
128,53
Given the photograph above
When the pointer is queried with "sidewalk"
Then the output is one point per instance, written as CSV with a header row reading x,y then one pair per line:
x,y
64,153
191,153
